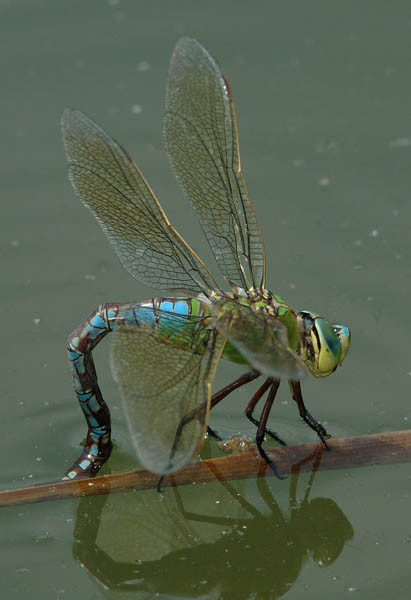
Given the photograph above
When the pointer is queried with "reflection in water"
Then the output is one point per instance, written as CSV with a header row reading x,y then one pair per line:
x,y
154,545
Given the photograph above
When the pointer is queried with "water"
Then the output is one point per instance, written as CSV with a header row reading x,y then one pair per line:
x,y
321,91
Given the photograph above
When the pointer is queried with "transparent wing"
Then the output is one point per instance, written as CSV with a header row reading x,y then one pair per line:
x,y
260,338
112,187
165,381
201,136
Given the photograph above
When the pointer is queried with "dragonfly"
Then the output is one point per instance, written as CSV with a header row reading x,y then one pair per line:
x,y
166,349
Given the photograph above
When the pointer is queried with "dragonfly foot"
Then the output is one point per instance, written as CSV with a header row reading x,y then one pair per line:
x,y
269,462
160,481
318,428
213,434
306,416
275,436
269,432
324,442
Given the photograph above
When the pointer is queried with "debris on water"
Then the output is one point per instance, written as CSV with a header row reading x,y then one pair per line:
x,y
236,444
324,181
402,142
143,66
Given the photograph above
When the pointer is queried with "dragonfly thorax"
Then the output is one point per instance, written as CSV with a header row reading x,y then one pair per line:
x,y
271,305
323,345
259,300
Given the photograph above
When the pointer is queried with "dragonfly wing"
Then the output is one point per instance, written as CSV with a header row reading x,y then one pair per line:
x,y
163,379
201,136
260,338
112,187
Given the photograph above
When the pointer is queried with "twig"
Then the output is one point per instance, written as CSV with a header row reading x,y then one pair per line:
x,y
347,453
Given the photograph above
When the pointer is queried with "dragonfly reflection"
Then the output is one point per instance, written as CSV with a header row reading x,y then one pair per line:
x,y
139,545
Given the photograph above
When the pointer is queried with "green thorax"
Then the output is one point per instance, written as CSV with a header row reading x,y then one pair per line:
x,y
270,303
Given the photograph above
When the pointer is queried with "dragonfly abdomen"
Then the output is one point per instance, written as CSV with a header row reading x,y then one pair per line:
x,y
81,343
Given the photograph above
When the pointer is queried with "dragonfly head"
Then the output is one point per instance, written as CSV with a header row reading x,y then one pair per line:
x,y
323,345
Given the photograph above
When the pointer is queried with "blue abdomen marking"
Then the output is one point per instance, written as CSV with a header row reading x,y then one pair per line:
x,y
180,308
168,325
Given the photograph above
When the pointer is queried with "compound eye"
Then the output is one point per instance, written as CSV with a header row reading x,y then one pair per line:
x,y
344,335
327,346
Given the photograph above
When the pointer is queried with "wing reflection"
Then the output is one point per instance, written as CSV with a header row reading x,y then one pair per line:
x,y
145,544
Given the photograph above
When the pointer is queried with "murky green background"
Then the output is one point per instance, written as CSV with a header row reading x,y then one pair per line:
x,y
323,93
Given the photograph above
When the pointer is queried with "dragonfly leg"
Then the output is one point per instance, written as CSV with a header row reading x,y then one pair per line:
x,y
253,403
184,421
220,395
295,389
274,385
215,399
81,343
242,380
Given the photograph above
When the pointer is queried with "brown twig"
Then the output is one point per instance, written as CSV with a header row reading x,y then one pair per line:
x,y
347,453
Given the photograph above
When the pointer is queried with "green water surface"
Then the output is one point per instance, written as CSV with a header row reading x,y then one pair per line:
x,y
322,91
